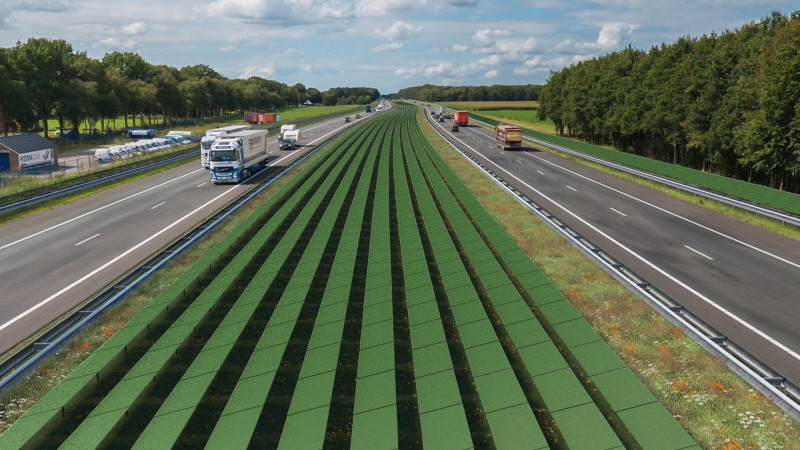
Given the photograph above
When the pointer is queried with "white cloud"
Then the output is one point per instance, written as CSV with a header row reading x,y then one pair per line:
x,y
609,38
387,47
114,43
458,48
134,28
485,38
282,13
434,51
387,7
490,60
257,71
7,7
292,51
490,74
399,30
227,49
305,67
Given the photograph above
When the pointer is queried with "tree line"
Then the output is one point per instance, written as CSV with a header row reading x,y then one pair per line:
x,y
727,103
44,78
497,92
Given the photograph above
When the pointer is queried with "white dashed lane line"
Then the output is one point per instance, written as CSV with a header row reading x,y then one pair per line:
x,y
572,189
620,213
202,184
87,239
700,253
540,172
154,207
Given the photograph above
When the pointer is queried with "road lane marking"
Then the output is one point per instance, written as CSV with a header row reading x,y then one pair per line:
x,y
96,210
680,283
540,172
699,253
87,239
685,219
518,161
154,207
134,248
620,213
572,188
202,184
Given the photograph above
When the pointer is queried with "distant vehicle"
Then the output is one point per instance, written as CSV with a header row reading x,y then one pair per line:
x,y
293,134
378,109
454,127
236,156
358,116
462,118
102,155
507,136
141,132
441,118
285,128
287,144
347,119
211,136
183,134
368,108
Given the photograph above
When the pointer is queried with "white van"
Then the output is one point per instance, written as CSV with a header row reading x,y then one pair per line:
x,y
102,155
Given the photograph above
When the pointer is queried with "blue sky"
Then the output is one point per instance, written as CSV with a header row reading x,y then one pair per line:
x,y
378,43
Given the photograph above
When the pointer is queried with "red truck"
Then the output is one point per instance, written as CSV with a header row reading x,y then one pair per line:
x,y
462,118
507,136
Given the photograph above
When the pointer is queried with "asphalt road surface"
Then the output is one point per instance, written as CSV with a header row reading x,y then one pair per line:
x,y
741,279
53,261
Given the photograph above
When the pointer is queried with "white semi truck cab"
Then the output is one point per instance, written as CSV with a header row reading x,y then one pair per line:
x,y
211,135
236,156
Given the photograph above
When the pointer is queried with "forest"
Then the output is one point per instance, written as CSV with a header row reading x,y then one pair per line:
x,y
44,78
497,92
726,103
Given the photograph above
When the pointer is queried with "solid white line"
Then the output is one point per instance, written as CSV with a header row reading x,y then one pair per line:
x,y
96,210
573,189
685,219
112,261
134,248
540,172
699,253
87,239
620,213
202,184
154,207
680,283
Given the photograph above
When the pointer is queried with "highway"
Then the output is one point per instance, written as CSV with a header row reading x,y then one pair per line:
x,y
738,277
55,260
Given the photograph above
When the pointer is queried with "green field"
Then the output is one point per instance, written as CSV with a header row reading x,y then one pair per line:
x,y
371,303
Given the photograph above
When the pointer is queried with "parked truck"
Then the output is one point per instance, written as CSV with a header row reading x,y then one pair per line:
x,y
257,118
211,136
462,118
141,133
236,156
507,136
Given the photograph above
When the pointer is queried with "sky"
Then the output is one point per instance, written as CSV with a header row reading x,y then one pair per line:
x,y
376,43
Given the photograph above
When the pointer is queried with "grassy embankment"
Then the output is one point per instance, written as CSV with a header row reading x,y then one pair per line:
x,y
717,407
25,394
529,119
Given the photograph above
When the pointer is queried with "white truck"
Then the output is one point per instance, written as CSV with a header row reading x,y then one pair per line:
x,y
211,136
236,156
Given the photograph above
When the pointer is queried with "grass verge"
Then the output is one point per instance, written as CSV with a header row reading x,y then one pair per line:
x,y
744,215
718,408
25,394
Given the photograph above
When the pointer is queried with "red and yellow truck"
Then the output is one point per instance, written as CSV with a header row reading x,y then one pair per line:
x,y
462,118
507,136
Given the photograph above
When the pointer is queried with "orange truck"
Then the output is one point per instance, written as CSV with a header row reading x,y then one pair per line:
x,y
507,136
462,118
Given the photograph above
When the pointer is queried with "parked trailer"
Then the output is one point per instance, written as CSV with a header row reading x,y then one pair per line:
x,y
236,156
462,118
261,118
211,136
507,136
142,133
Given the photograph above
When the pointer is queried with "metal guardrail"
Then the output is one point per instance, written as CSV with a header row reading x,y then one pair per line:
x,y
27,359
783,217
771,383
76,187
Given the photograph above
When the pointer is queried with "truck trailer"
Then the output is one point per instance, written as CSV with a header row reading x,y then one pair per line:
x,y
507,136
462,118
211,136
285,128
236,156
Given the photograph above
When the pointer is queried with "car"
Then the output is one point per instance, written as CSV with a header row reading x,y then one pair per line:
x,y
347,119
358,116
441,118
287,144
454,127
102,155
